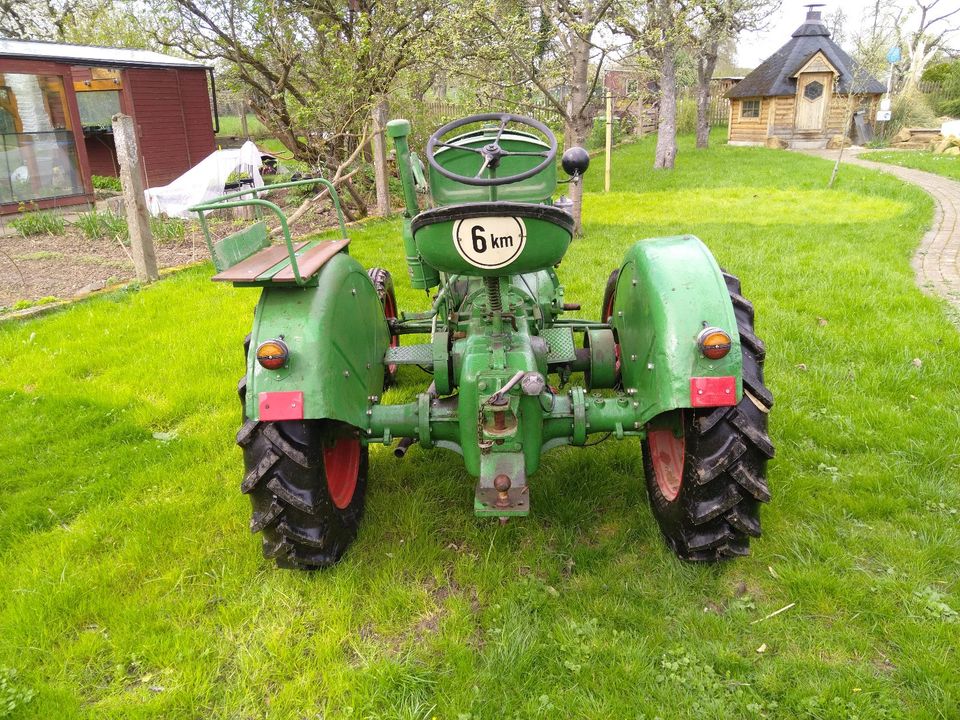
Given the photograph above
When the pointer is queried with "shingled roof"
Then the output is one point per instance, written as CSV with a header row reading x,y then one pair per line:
x,y
775,74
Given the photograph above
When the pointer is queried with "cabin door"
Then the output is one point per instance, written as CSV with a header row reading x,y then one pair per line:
x,y
813,91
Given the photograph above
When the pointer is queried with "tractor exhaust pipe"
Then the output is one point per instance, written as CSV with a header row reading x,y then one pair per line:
x,y
401,449
422,276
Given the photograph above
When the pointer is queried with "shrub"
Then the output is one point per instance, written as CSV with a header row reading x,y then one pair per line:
x,y
38,222
910,110
686,115
598,136
168,229
937,73
103,182
950,107
276,179
24,304
946,100
297,195
107,224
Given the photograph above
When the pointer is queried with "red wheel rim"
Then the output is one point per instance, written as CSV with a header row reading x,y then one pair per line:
x,y
341,463
607,312
667,458
390,312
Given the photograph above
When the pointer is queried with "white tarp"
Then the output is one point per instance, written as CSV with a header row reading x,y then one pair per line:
x,y
951,127
205,181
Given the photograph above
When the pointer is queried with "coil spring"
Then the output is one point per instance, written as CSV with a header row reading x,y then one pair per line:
x,y
493,294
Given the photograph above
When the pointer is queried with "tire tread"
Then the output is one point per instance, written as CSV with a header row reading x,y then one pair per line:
x,y
291,506
727,449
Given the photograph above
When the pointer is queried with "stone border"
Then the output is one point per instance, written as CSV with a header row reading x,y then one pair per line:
x,y
38,310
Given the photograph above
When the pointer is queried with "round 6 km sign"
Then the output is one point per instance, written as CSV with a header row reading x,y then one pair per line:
x,y
490,242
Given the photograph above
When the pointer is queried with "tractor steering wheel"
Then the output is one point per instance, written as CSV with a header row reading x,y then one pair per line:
x,y
491,153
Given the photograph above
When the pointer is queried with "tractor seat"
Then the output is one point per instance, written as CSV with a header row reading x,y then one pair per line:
x,y
492,238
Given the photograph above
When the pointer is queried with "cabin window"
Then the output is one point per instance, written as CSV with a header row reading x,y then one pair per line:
x,y
749,108
38,155
97,108
813,90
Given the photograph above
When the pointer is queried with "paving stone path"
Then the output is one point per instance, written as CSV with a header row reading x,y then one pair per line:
x,y
937,260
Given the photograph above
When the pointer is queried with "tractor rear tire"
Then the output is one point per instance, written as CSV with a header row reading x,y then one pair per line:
x,y
383,284
307,481
706,487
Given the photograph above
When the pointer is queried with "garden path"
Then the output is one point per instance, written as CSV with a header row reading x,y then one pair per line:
x,y
937,259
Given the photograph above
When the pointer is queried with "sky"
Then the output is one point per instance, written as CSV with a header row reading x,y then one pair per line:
x,y
754,48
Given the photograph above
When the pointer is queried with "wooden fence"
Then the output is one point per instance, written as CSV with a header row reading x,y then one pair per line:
x,y
935,93
646,116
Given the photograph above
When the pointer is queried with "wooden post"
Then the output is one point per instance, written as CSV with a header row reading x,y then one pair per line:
x,y
380,158
606,167
131,180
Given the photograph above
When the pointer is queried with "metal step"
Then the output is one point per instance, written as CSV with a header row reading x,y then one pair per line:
x,y
561,348
410,355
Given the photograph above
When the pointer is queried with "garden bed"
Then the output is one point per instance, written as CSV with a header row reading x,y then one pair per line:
x,y
46,267
43,268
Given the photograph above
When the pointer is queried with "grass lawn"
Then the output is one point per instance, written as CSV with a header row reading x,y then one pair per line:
x,y
946,165
230,125
132,588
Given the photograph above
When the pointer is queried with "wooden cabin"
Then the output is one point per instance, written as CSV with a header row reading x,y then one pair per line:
x,y
56,105
802,93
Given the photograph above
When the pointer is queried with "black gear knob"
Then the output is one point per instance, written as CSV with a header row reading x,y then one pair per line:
x,y
575,161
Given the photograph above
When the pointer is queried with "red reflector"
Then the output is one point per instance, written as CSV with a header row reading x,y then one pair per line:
x,y
281,405
713,391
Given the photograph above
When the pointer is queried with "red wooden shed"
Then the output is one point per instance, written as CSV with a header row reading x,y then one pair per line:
x,y
56,103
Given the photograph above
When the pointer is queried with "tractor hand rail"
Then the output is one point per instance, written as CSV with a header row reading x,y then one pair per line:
x,y
265,189
256,202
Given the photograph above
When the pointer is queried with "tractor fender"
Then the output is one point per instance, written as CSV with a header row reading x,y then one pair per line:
x,y
669,289
337,336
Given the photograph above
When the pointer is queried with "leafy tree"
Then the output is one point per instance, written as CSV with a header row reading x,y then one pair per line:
x,y
947,76
312,69
36,19
933,31
661,29
716,21
553,45
113,23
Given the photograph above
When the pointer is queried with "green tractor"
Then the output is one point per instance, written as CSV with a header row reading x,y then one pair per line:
x,y
670,361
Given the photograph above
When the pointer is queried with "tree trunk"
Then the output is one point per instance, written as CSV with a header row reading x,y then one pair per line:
x,y
381,178
441,85
242,109
667,125
357,199
705,65
578,122
576,133
920,56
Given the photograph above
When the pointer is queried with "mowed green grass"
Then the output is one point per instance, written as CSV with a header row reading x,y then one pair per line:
x,y
230,125
946,165
132,588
